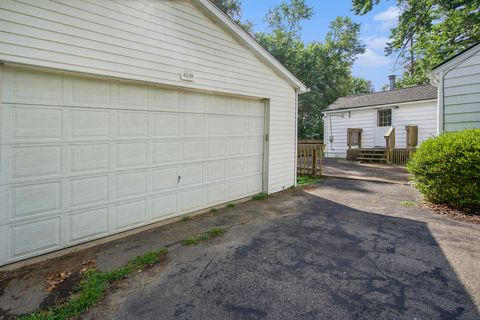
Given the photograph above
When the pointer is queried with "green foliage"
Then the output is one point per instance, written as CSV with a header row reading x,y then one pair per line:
x,y
260,196
446,169
231,205
325,67
428,32
210,234
407,203
304,180
233,8
93,287
213,210
185,218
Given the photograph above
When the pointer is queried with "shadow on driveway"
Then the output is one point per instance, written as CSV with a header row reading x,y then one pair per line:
x,y
321,260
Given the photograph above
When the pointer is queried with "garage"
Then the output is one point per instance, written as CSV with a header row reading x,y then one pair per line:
x,y
85,158
118,115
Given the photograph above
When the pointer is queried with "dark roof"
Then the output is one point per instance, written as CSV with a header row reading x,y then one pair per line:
x,y
417,93
456,55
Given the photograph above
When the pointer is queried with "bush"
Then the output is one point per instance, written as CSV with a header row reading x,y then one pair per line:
x,y
446,169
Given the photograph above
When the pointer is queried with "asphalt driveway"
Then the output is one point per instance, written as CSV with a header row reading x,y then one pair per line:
x,y
345,249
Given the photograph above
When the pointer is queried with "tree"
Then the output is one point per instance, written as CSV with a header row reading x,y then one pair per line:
x,y
325,67
428,32
233,8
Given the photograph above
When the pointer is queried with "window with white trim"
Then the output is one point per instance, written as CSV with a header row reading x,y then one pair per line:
x,y
384,118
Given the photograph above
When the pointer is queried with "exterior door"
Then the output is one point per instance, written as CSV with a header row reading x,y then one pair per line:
x,y
384,121
84,158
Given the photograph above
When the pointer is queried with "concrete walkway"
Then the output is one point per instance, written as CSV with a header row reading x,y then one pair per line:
x,y
344,249
341,168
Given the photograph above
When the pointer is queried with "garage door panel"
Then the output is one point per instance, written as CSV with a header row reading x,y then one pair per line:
x,y
85,158
166,125
217,126
164,205
237,106
193,125
88,224
132,125
87,92
89,158
35,199
193,102
29,162
88,191
192,150
130,184
90,124
129,95
36,123
215,194
166,99
215,171
165,152
131,154
192,199
46,235
217,148
25,86
130,214
192,174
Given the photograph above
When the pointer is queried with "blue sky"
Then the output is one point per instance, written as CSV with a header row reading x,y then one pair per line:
x,y
375,29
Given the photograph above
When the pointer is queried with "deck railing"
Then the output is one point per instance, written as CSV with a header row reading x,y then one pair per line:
x,y
390,143
309,157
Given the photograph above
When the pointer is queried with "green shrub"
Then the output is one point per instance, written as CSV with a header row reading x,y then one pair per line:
x,y
446,169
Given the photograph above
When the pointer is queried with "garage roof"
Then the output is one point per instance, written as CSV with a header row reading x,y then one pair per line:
x,y
410,94
248,41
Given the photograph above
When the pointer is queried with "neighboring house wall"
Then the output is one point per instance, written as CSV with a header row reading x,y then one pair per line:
x,y
461,95
151,42
422,114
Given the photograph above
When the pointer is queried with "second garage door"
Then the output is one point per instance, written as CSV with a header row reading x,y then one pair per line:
x,y
83,158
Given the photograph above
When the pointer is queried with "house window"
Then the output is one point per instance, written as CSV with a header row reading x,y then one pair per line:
x,y
384,118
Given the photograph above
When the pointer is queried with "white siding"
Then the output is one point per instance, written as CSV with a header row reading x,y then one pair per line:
x,y
461,95
421,114
336,126
150,41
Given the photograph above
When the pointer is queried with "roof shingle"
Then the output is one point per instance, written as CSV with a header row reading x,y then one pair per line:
x,y
417,93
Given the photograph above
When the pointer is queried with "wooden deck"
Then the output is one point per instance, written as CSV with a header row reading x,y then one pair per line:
x,y
379,155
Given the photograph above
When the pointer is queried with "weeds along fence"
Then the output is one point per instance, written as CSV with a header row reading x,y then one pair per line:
x,y
310,157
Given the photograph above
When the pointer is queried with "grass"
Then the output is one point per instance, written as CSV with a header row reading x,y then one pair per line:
x,y
231,205
213,210
210,234
303,180
407,203
93,287
260,196
185,218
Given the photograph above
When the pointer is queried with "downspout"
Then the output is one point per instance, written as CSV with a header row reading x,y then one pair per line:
x,y
295,152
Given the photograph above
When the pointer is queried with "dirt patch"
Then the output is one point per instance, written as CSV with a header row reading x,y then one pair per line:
x,y
469,215
62,291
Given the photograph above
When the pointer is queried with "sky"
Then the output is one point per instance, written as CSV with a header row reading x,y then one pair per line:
x,y
375,30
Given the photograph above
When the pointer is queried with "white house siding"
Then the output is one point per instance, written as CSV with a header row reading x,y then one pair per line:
x,y
336,125
150,41
461,95
421,114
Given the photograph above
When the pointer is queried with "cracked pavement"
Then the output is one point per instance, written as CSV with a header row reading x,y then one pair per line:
x,y
343,249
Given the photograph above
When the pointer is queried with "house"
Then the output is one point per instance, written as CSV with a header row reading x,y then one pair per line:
x,y
117,115
458,82
362,121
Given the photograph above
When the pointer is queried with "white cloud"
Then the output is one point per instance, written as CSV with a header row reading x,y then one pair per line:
x,y
388,18
372,59
375,43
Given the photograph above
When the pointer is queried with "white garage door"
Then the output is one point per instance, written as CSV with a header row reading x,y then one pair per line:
x,y
83,158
